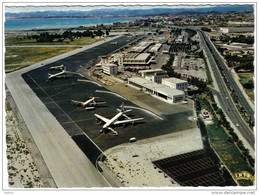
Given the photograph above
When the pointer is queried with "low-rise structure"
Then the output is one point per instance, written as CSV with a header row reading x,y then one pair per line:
x,y
145,73
237,29
110,69
155,75
159,91
142,59
175,83
155,48
142,46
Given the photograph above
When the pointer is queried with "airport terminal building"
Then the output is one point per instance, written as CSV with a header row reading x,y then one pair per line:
x,y
157,90
175,83
110,69
155,75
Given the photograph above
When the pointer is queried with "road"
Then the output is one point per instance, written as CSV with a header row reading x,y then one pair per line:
x,y
225,98
242,99
67,163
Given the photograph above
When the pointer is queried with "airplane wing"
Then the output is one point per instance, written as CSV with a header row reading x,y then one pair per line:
x,y
99,103
78,103
102,118
127,121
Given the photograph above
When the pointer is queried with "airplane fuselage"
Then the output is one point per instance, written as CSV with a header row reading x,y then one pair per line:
x,y
113,120
87,102
54,75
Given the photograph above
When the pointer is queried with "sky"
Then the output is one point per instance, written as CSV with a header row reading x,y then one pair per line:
x,y
17,9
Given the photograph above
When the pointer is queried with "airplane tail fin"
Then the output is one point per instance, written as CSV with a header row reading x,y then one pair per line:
x,y
49,74
91,96
122,107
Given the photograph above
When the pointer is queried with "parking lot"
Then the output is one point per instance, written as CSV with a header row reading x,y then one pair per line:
x,y
198,168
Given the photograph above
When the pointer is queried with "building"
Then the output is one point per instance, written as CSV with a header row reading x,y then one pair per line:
x,y
155,75
145,73
170,40
141,47
166,49
155,48
110,69
237,30
142,59
159,91
175,83
118,58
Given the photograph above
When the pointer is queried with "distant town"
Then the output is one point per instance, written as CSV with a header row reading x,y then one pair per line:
x,y
165,99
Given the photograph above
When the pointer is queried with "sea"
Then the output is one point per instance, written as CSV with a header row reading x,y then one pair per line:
x,y
54,23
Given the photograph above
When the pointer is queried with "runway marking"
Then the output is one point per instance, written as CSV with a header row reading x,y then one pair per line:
x,y
109,92
63,123
70,119
82,120
76,73
55,101
60,92
46,87
73,110
51,136
88,81
98,136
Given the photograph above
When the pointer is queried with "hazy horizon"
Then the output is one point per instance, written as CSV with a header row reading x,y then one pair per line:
x,y
20,9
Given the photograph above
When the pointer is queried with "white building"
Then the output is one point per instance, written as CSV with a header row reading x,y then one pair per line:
x,y
140,47
110,69
155,75
104,60
159,91
175,83
149,72
155,48
118,58
142,59
237,29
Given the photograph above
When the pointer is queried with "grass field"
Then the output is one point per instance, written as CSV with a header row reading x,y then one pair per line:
x,y
228,152
19,40
17,58
244,78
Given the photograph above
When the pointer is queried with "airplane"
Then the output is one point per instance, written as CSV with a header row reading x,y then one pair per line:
x,y
115,120
57,75
61,67
89,104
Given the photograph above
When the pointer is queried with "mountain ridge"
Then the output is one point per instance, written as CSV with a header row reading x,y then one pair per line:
x,y
109,12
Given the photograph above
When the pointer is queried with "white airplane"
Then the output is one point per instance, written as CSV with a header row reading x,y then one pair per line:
x,y
89,104
115,120
57,75
61,67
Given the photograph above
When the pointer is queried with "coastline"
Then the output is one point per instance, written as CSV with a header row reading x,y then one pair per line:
x,y
64,26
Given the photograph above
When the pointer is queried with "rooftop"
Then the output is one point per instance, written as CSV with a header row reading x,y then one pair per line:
x,y
142,56
109,65
174,80
156,87
151,70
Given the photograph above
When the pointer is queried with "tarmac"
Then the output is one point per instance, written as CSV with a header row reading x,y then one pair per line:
x,y
132,162
62,156
53,120
81,124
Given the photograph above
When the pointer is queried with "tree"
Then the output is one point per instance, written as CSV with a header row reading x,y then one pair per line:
x,y
249,85
107,32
